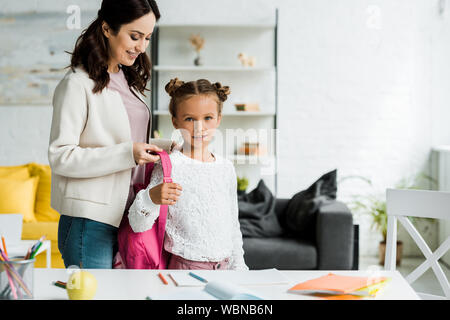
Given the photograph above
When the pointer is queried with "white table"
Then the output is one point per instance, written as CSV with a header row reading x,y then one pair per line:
x,y
21,249
138,284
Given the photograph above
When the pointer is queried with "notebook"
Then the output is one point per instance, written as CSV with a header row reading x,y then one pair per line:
x,y
333,284
237,277
215,290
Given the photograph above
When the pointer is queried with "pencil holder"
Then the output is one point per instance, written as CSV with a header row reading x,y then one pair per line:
x,y
16,279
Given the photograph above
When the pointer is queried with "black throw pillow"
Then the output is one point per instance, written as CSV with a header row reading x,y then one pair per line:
x,y
303,206
257,216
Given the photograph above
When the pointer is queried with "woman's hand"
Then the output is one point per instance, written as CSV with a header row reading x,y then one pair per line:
x,y
165,193
141,153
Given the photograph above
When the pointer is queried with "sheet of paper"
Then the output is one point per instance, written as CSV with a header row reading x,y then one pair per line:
x,y
183,279
212,291
255,277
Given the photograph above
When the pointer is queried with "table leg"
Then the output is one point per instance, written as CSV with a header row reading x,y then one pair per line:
x,y
49,256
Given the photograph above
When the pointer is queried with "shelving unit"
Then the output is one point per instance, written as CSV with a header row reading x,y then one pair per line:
x,y
210,68
172,56
227,114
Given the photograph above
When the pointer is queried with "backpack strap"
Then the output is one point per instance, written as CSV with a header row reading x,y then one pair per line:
x,y
166,165
148,173
167,171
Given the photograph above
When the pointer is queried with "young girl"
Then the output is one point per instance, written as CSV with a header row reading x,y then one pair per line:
x,y
202,230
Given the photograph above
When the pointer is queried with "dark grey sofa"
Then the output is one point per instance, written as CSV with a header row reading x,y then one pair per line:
x,y
331,249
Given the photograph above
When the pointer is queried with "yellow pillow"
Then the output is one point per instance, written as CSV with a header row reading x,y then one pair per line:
x,y
42,208
18,196
16,172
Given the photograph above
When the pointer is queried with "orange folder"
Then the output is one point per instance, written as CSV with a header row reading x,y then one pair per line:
x,y
337,284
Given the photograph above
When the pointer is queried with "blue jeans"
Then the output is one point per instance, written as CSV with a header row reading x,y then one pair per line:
x,y
86,243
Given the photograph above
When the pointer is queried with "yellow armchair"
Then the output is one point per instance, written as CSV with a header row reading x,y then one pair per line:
x,y
17,193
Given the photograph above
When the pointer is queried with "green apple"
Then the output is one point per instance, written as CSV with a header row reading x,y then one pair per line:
x,y
81,285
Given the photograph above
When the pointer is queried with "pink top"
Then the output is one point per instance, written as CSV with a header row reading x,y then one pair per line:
x,y
138,115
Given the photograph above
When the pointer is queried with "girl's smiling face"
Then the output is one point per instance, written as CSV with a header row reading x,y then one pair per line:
x,y
197,117
131,40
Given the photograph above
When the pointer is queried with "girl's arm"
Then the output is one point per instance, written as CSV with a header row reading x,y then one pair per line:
x,y
65,155
143,212
237,258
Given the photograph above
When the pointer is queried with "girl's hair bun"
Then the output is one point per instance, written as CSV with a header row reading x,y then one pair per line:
x,y
222,91
173,85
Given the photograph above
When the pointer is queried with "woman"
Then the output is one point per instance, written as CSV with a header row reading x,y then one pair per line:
x,y
99,131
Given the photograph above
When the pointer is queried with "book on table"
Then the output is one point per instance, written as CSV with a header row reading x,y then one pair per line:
x,y
333,284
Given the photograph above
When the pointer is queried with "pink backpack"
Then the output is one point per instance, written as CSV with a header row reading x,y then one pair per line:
x,y
145,250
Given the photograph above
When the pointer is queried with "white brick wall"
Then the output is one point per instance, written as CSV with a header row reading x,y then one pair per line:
x,y
363,87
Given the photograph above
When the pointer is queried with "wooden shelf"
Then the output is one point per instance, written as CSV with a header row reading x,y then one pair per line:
x,y
227,114
223,25
249,159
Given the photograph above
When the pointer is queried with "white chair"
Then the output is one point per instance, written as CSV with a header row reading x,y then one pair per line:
x,y
11,227
401,204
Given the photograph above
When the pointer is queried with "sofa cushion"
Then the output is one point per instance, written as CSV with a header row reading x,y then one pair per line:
x,y
19,172
303,206
43,210
280,253
257,215
19,196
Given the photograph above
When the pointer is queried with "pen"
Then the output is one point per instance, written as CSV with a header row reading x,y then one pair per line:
x,y
162,278
197,277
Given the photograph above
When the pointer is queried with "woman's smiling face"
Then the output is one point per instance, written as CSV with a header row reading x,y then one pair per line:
x,y
131,40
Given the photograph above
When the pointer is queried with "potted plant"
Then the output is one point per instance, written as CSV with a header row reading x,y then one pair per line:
x,y
375,205
242,184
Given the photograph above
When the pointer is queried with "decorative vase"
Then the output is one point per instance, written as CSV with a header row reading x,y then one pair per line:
x,y
198,60
382,252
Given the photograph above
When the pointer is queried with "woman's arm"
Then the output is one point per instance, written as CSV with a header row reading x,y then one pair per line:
x,y
237,258
65,155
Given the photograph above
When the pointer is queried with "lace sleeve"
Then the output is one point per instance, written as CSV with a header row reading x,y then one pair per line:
x,y
237,256
143,212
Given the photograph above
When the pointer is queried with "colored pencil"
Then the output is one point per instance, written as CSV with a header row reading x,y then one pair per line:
x,y
28,254
11,284
36,250
197,277
14,273
4,245
162,278
59,284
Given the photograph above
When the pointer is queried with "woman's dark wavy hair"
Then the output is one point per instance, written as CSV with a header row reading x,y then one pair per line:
x,y
91,48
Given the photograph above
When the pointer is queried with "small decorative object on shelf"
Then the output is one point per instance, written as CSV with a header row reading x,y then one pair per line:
x,y
247,106
157,134
242,184
246,61
251,149
197,42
